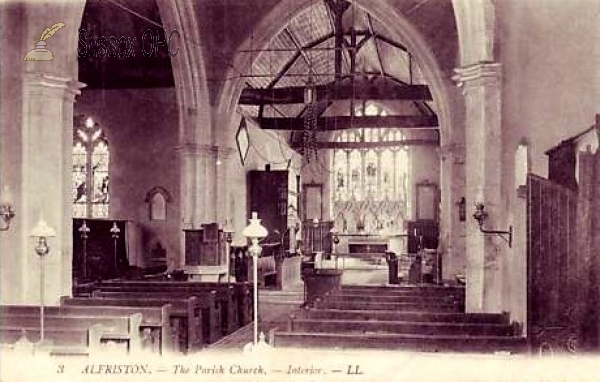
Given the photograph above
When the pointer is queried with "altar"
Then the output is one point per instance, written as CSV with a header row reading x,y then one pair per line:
x,y
367,244
371,243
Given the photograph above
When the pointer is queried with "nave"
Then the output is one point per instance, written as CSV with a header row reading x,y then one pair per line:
x,y
444,152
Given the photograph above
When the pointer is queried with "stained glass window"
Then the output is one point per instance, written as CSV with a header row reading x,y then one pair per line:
x,y
370,185
90,170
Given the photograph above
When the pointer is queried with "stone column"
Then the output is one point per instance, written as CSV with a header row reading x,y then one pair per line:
x,y
224,156
203,185
452,230
481,84
45,189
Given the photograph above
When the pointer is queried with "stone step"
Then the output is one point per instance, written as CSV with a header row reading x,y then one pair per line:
x,y
398,327
424,289
380,315
282,297
332,303
425,343
351,296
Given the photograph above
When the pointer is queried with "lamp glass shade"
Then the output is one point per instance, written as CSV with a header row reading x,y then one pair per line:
x,y
42,229
255,229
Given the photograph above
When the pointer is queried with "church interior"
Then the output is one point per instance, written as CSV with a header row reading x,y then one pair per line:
x,y
200,175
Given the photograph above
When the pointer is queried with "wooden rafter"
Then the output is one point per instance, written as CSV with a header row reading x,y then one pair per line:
x,y
349,122
345,90
370,145
296,56
381,69
338,7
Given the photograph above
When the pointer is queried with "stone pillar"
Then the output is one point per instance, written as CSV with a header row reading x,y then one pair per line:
x,y
452,230
199,185
223,168
45,189
204,185
481,84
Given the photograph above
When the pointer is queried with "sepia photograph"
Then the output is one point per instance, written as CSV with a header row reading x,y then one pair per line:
x,y
299,190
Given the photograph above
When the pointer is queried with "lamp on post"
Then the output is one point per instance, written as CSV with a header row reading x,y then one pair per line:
x,y
84,231
228,231
255,231
114,233
42,231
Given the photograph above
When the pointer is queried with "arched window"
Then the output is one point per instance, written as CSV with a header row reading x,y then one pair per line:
x,y
370,184
90,169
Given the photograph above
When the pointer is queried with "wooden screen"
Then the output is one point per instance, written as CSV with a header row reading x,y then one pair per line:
x,y
588,243
316,236
553,267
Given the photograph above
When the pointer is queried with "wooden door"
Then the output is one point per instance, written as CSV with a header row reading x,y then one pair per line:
x,y
268,192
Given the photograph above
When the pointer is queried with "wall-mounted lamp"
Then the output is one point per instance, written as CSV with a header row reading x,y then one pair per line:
x,y
462,209
480,215
7,212
255,231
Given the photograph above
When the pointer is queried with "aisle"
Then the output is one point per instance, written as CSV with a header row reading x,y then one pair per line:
x,y
274,309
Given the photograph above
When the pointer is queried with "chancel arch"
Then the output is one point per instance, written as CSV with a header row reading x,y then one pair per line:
x,y
396,30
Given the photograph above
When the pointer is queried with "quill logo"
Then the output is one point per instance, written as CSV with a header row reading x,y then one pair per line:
x,y
40,53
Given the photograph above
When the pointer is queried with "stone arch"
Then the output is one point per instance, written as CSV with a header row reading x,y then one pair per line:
x,y
475,22
195,124
286,10
449,104
188,71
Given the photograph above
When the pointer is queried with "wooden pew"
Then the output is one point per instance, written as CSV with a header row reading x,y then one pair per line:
x,y
194,321
63,341
122,330
225,295
155,328
266,270
243,298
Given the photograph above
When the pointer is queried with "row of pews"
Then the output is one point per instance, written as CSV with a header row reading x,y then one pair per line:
x,y
420,318
161,317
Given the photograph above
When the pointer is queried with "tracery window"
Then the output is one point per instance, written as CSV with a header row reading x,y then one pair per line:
x,y
370,184
90,170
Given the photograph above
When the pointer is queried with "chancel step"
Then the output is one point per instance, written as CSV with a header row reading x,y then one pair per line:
x,y
404,290
386,315
399,298
398,327
333,303
421,318
427,343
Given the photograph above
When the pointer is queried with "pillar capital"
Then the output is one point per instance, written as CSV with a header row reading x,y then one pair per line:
x,y
454,151
49,82
196,149
203,149
479,74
